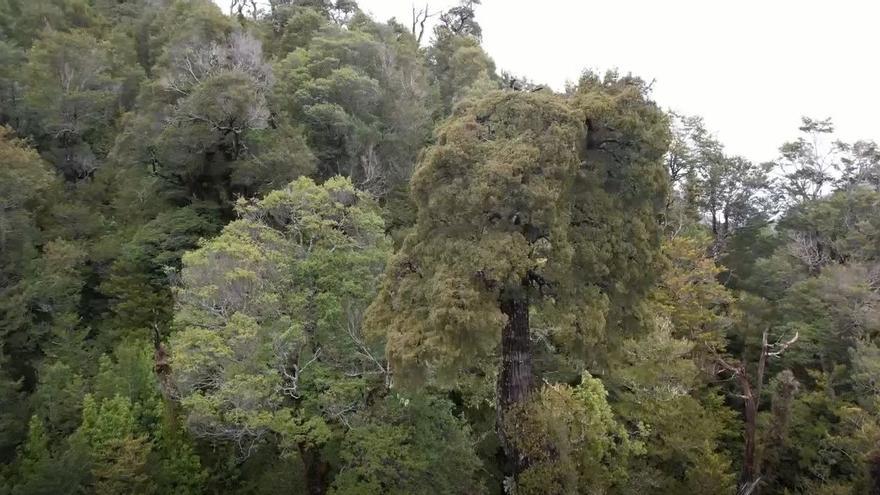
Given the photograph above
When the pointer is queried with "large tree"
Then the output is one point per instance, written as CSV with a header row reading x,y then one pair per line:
x,y
527,202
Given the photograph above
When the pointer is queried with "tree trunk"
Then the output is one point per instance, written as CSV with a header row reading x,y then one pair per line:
x,y
515,379
315,470
749,474
874,474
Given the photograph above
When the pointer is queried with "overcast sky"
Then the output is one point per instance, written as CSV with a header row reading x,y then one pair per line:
x,y
751,68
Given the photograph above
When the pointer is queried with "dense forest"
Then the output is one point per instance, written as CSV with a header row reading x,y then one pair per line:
x,y
293,249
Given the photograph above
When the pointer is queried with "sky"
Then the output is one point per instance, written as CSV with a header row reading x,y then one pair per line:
x,y
751,68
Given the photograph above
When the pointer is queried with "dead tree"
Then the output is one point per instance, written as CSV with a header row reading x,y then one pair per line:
x,y
750,392
238,7
419,18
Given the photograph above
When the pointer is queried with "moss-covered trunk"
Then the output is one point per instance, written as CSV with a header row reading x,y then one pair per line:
x,y
515,379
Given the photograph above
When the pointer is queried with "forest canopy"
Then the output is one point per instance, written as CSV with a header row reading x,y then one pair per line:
x,y
295,249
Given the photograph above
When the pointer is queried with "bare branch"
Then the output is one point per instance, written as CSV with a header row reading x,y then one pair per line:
x,y
779,347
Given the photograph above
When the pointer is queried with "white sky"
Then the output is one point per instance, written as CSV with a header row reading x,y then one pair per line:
x,y
751,68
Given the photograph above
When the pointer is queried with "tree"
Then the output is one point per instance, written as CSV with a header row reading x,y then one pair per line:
x,y
362,95
660,383
836,229
860,165
808,163
74,87
11,91
129,374
419,18
459,20
138,285
212,132
44,470
460,67
57,400
503,224
660,392
13,419
269,346
24,179
750,390
475,287
119,455
23,20
729,192
41,312
217,139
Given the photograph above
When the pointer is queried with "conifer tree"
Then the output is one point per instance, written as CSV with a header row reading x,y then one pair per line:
x,y
516,215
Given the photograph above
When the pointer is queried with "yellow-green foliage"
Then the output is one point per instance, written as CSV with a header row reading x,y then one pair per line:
x,y
660,397
492,197
515,198
268,310
572,441
619,195
689,294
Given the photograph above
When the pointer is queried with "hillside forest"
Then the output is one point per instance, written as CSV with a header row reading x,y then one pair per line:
x,y
294,249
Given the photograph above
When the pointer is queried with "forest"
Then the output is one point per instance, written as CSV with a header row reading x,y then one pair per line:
x,y
292,249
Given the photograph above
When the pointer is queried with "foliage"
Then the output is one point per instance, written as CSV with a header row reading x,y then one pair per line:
x,y
409,445
573,440
269,346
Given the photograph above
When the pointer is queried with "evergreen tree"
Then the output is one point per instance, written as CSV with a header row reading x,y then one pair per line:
x,y
504,221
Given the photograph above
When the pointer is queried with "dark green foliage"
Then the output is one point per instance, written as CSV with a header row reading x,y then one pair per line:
x,y
13,419
137,286
24,181
362,95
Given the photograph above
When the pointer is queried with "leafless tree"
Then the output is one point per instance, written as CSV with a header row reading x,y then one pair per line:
x,y
419,18
807,248
195,60
242,8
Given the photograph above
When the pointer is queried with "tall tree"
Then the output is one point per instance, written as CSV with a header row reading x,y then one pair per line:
x,y
808,164
509,206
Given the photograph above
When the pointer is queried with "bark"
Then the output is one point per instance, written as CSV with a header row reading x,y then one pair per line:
x,y
515,379
316,470
874,474
751,396
162,368
749,471
311,324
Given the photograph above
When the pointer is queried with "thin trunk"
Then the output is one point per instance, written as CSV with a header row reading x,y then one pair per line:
x,y
749,471
726,224
311,323
752,397
515,378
